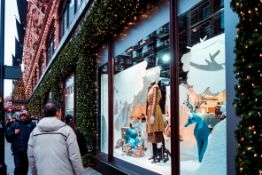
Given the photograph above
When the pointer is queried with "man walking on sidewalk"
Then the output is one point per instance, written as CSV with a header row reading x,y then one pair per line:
x,y
17,134
52,147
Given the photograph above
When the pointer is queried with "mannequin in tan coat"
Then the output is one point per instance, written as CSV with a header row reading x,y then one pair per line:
x,y
155,127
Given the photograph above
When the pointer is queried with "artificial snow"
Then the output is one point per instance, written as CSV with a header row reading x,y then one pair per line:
x,y
214,161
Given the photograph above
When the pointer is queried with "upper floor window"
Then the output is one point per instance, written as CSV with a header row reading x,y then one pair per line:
x,y
41,64
78,3
68,13
71,11
50,45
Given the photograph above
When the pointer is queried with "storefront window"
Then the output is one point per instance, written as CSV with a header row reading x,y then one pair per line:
x,y
202,90
69,95
103,72
141,90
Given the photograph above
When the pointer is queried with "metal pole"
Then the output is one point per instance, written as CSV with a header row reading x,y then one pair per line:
x,y
174,92
2,117
110,101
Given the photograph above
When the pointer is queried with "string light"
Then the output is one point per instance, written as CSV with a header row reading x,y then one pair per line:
x,y
250,118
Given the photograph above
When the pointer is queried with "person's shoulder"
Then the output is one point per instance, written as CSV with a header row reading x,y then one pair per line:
x,y
66,129
35,131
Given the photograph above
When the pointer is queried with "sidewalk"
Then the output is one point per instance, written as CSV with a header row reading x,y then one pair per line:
x,y
9,159
91,171
10,163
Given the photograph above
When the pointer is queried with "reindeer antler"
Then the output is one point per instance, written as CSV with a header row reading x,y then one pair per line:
x,y
197,105
188,104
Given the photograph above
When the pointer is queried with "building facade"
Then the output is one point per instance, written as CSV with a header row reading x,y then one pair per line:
x,y
112,64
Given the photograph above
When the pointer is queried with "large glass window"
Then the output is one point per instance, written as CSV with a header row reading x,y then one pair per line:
x,y
69,95
50,45
202,90
141,92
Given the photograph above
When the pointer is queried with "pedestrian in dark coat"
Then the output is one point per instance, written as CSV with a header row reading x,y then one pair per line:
x,y
18,135
82,143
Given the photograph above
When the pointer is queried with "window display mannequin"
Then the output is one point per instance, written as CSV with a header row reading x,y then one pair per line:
x,y
154,128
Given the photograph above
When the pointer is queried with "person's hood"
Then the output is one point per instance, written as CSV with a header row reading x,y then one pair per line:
x,y
48,124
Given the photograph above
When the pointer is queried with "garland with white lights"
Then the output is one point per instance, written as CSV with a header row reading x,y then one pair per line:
x,y
248,100
104,22
19,90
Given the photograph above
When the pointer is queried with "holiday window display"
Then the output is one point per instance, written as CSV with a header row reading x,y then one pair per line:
x,y
202,92
131,111
134,70
202,106
198,123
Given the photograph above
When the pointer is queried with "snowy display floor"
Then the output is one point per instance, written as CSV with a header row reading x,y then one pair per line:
x,y
161,167
214,161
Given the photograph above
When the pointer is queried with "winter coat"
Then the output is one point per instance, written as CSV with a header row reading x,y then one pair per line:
x,y
19,141
154,93
53,149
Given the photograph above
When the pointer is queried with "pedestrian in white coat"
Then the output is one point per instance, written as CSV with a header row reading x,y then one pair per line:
x,y
52,146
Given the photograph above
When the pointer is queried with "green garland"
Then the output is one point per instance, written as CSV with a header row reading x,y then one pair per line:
x,y
248,100
105,21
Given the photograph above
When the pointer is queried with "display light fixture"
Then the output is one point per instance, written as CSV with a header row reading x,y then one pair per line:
x,y
166,58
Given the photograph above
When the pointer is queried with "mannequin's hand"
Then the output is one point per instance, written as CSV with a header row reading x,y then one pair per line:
x,y
152,119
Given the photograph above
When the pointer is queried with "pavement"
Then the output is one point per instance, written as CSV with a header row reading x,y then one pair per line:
x,y
10,163
9,159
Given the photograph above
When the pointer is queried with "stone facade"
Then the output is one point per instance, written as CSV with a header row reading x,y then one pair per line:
x,y
41,16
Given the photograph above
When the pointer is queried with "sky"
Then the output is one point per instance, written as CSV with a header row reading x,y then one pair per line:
x,y
10,34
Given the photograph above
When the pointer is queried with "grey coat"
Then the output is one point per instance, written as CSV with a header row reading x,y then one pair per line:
x,y
53,149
